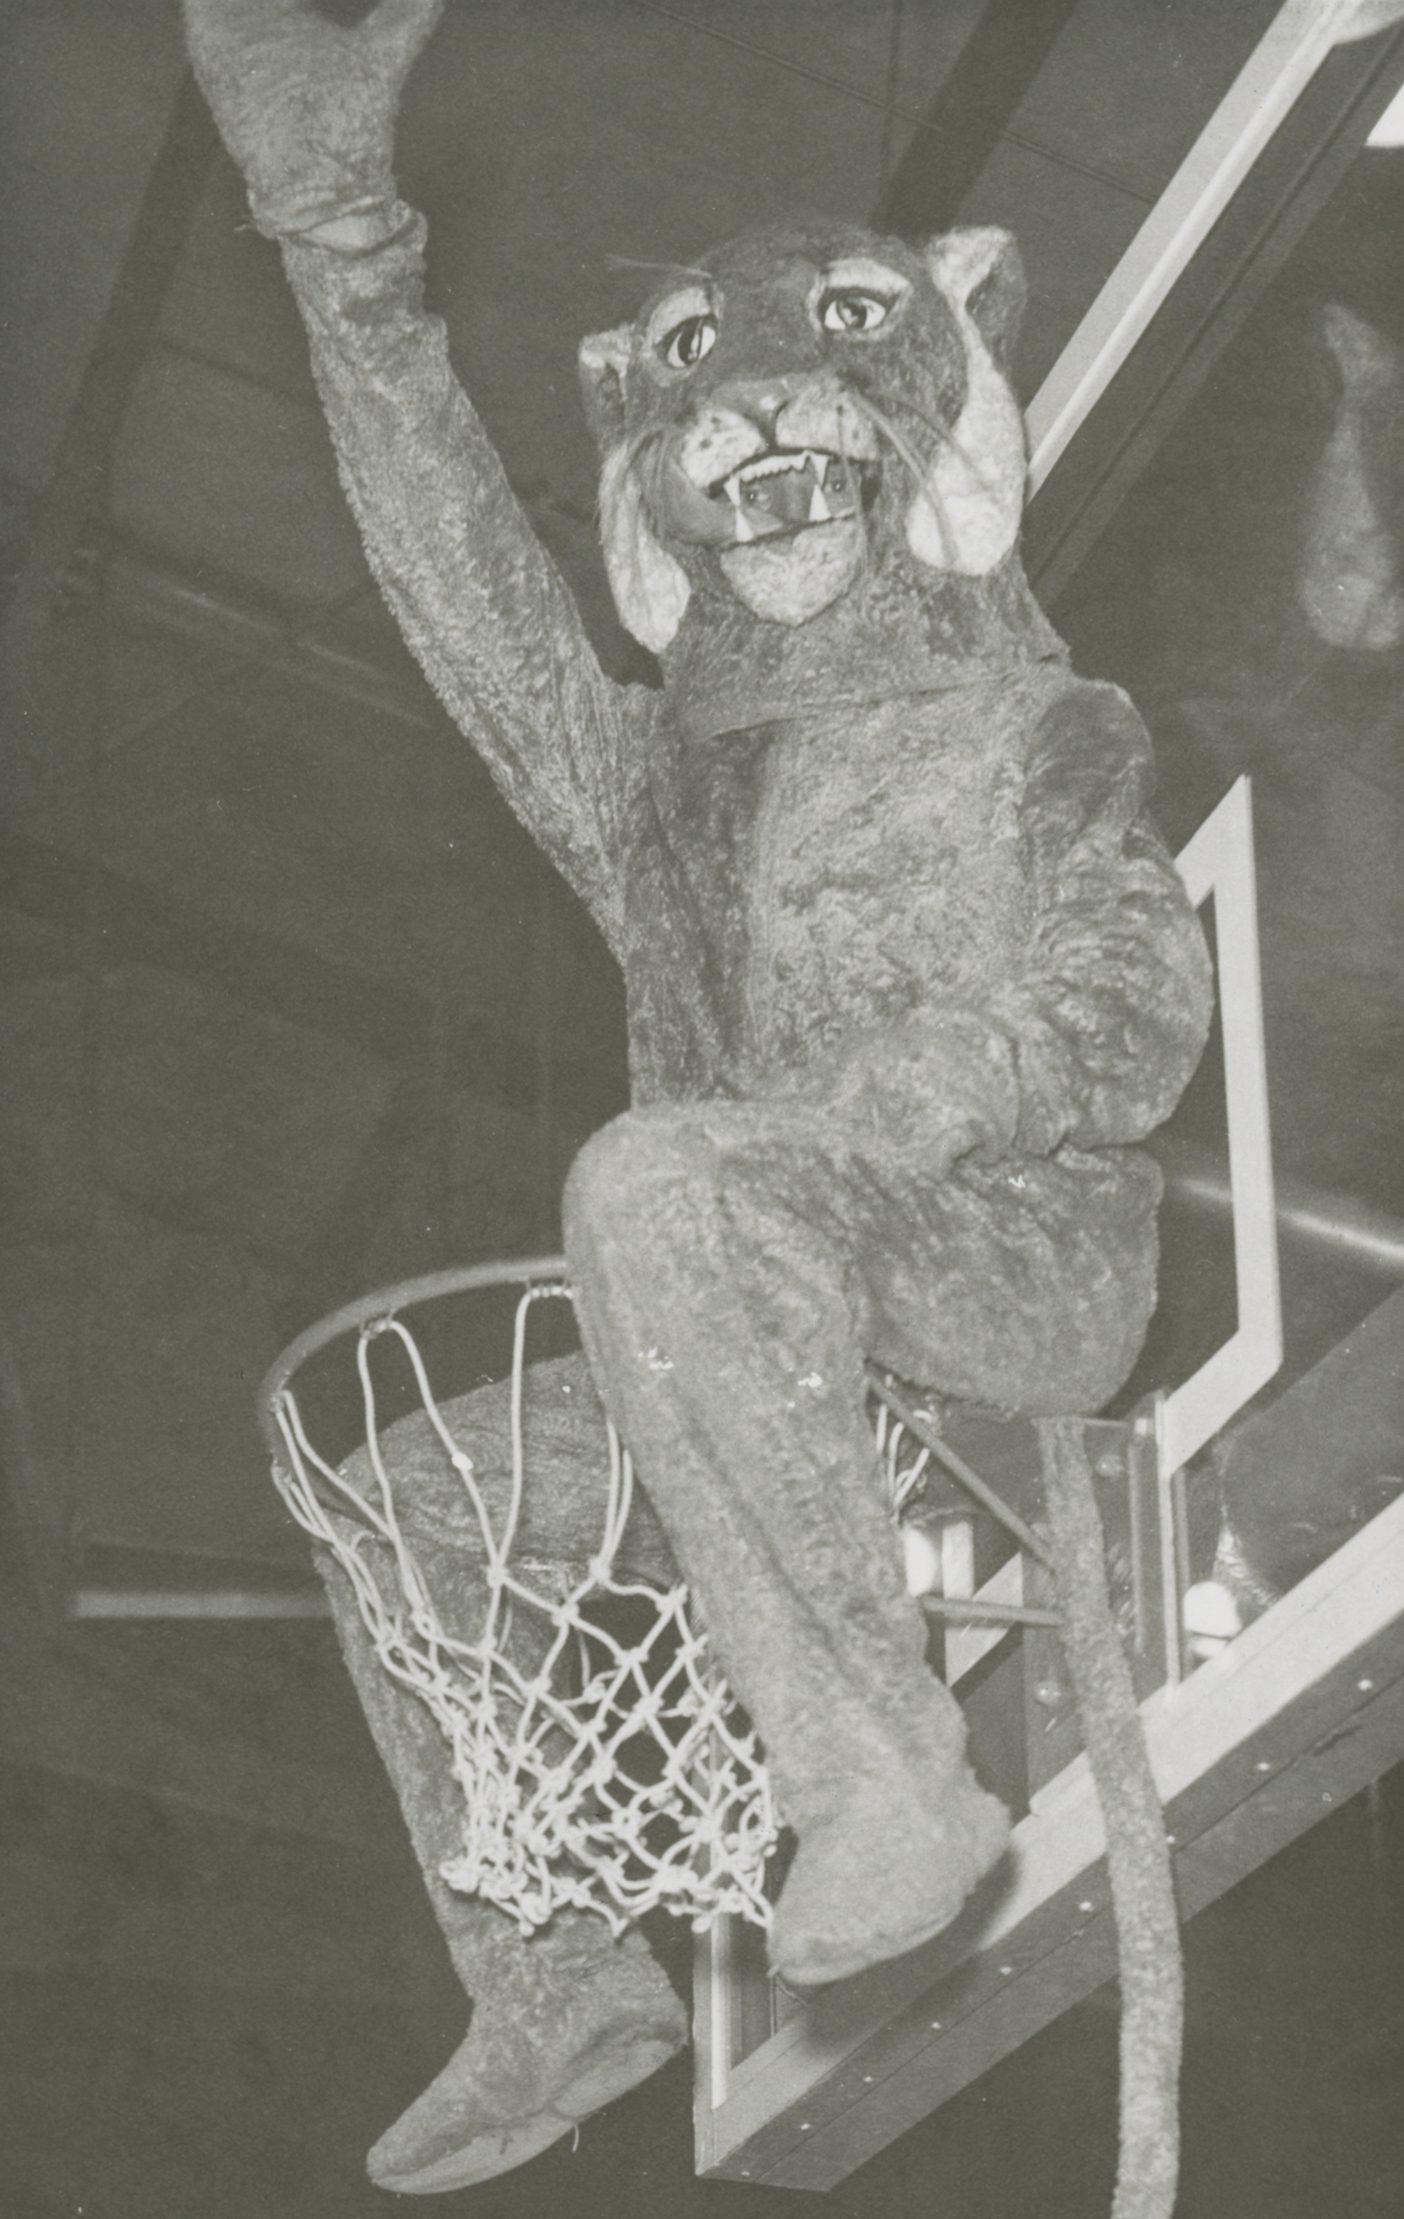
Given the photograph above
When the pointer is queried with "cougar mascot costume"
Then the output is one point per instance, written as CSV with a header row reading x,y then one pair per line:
x,y
907,969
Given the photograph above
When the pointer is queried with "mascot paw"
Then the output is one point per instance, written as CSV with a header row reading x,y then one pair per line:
x,y
305,100
513,2086
880,1880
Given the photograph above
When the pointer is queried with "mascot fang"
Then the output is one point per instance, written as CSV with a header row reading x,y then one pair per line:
x,y
908,973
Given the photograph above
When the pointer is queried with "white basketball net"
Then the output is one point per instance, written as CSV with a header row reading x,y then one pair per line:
x,y
614,1776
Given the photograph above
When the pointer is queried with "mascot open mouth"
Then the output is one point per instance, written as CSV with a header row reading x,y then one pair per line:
x,y
797,531
789,489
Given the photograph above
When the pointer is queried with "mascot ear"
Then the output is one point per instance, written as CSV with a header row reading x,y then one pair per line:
x,y
984,270
604,360
650,589
968,518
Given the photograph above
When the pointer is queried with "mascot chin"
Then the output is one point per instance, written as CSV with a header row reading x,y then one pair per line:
x,y
908,972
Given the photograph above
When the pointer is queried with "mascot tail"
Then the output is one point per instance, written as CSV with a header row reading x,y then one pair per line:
x,y
1138,1855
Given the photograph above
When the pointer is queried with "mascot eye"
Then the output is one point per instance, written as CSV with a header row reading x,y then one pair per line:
x,y
852,311
683,347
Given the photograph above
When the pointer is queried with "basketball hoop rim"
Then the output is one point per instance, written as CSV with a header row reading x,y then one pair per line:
x,y
385,1303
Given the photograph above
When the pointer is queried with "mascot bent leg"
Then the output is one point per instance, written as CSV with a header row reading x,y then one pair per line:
x,y
733,1267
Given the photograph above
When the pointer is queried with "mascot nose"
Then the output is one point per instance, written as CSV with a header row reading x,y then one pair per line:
x,y
761,400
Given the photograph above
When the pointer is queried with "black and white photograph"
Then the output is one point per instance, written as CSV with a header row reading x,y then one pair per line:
x,y
702,1108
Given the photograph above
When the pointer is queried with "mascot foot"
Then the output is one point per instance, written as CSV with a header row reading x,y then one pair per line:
x,y
522,2079
880,1879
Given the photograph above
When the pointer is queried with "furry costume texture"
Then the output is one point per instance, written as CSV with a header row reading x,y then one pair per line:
x,y
907,969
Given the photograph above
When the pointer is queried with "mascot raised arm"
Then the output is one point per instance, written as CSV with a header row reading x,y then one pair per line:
x,y
908,973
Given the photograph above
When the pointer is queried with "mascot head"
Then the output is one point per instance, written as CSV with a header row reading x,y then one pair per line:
x,y
801,410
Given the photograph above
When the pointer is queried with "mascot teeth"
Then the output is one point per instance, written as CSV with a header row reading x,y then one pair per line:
x,y
786,490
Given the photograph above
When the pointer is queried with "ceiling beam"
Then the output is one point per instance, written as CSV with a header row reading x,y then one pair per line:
x,y
219,617
76,492
959,132
494,1062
